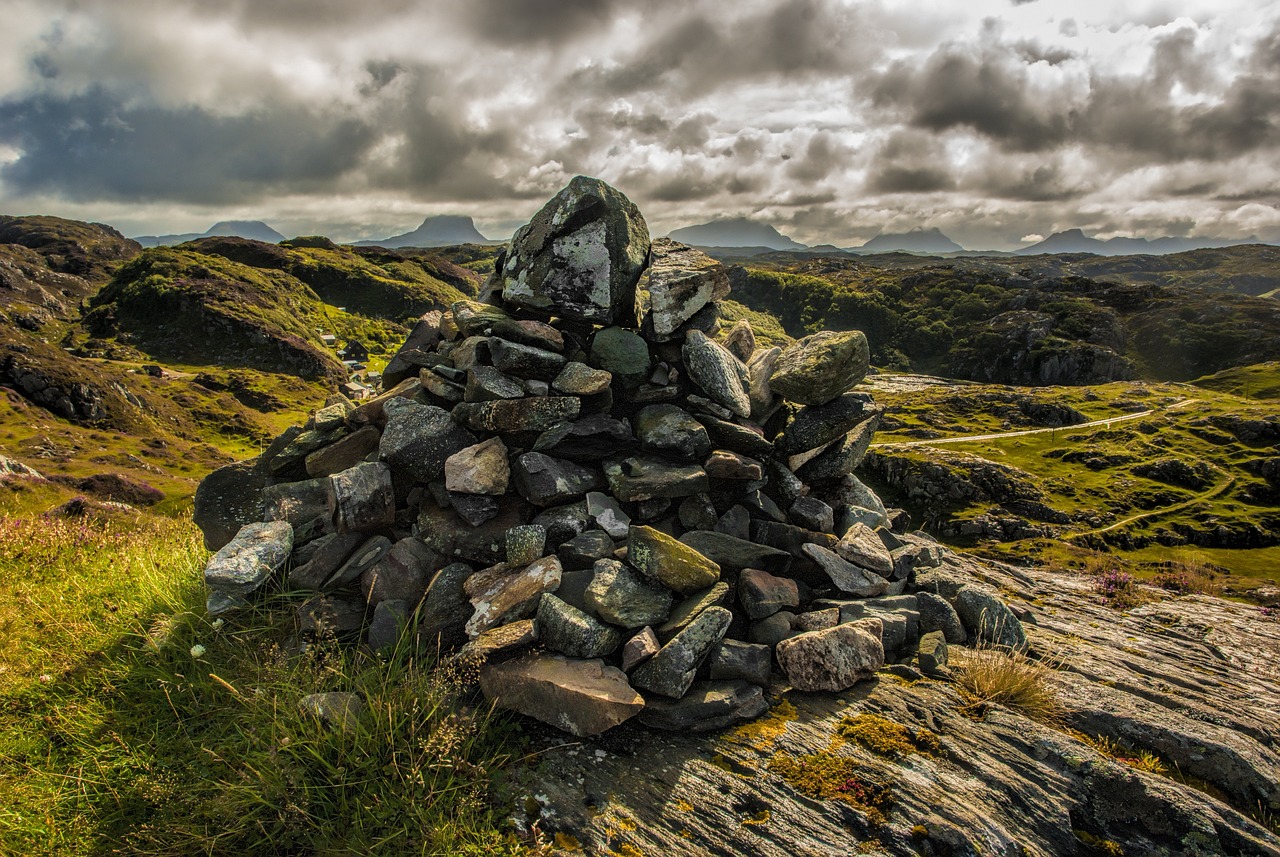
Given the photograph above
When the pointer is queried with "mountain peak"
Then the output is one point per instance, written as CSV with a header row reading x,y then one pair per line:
x,y
735,232
917,240
438,230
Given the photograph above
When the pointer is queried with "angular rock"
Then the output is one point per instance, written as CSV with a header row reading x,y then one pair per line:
x,y
773,630
817,620
720,375
692,607
669,430
741,340
661,557
486,384
642,478
547,481
299,502
762,594
623,354
706,706
580,257
583,550
524,361
474,318
419,439
989,619
820,367
226,500
813,514
931,654
526,544
937,614
608,515
862,547
479,469
730,465
734,659
589,439
736,522
745,439
621,597
697,512
671,670
818,425
475,509
682,281
254,556
583,698
563,628
639,649
330,552
372,412
760,367
847,577
368,554
563,522
345,453
511,415
361,499
434,382
402,574
417,348
579,379
736,554
390,618
833,660
500,644
500,595
330,616
842,457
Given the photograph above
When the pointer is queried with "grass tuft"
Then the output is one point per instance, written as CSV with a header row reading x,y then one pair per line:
x,y
995,676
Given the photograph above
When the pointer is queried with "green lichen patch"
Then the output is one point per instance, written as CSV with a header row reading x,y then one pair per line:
x,y
828,776
884,737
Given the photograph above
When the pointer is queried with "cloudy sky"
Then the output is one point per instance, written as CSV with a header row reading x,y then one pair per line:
x,y
994,120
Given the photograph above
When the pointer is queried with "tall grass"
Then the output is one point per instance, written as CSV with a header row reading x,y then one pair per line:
x,y
991,675
131,724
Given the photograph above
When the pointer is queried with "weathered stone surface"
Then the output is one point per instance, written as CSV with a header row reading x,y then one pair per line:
x,y
299,502
641,478
369,553
537,413
361,498
525,544
329,553
706,706
390,618
589,439
419,439
817,620
524,361
535,333
345,453
661,557
622,353
479,469
760,367
669,430
475,509
474,318
843,456
937,614
671,670
834,659
620,596
989,619
608,515
813,514
583,550
724,464
682,281
547,481
445,609
372,412
218,603
736,522
741,340
501,595
746,439
735,554
818,425
847,577
256,554
563,522
639,649
579,379
692,607
402,574
331,616
500,644
226,500
487,384
565,629
861,546
762,594
416,350
299,447
734,659
581,697
720,375
581,255
820,367
434,382
931,653
338,709
773,629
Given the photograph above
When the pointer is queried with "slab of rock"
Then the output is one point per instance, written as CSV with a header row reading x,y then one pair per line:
x,y
813,514
620,596
759,368
720,375
580,256
524,361
526,544
658,556
537,413
419,439
299,502
821,367
369,553
547,481
818,425
843,456
746,439
582,698
499,644
591,438
330,552
487,384
735,554
693,607
641,478
402,574
608,515
332,617
861,546
762,594
390,618
724,464
226,500
741,340
565,629
500,595
474,318
671,670
931,654
847,577
706,706
344,453
834,659
989,620
445,609
362,499
579,379
256,554
670,430
682,281
734,659
639,649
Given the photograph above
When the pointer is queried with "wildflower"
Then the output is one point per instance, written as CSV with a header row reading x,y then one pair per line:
x,y
197,651
217,624
46,678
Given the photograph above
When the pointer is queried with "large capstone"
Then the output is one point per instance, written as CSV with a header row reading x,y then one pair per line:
x,y
581,255
682,281
821,366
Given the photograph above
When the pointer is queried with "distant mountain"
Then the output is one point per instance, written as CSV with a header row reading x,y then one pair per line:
x,y
735,232
1075,241
918,240
254,229
443,230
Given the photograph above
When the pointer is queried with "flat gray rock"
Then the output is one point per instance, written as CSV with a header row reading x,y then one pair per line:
x,y
257,553
720,375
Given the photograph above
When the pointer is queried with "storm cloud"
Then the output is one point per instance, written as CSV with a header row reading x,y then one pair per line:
x,y
832,119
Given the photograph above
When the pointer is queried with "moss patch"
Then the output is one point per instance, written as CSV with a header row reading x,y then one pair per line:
x,y
884,737
828,776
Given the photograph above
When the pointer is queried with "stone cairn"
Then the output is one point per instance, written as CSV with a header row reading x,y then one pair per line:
x,y
608,511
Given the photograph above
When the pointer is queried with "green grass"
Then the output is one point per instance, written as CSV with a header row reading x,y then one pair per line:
x,y
118,737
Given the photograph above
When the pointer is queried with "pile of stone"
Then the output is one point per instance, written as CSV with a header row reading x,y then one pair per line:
x,y
604,503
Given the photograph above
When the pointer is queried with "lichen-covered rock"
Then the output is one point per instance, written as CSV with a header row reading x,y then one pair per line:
x,y
641,478
579,379
847,577
937,614
682,281
620,596
537,413
581,697
563,628
623,354
547,481
256,554
671,670
720,375
820,367
817,425
660,557
501,595
581,255
833,659
670,430
763,594
479,469
861,546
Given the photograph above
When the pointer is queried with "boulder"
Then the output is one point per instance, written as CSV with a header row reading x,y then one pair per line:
x,y
582,698
834,659
660,557
821,367
706,706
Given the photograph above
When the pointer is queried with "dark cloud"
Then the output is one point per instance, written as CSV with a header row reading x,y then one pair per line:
x,y
523,21
1043,182
910,163
823,155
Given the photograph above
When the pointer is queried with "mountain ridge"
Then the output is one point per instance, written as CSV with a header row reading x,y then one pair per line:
x,y
252,229
440,230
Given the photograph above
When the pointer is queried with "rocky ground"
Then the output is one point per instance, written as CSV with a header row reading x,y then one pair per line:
x,y
1193,680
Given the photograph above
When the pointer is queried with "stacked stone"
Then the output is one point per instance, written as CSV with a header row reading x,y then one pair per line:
x,y
608,510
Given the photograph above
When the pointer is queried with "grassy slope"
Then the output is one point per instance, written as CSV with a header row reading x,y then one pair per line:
x,y
118,736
